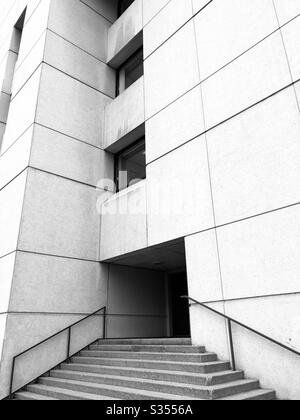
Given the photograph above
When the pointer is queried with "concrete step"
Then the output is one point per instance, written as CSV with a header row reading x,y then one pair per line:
x,y
176,357
205,367
188,390
145,369
30,396
255,395
148,348
110,390
143,341
232,388
165,375
58,393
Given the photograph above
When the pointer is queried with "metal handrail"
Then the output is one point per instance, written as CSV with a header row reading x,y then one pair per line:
x,y
234,321
69,329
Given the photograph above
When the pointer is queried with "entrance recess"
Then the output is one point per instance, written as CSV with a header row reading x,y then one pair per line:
x,y
179,308
148,285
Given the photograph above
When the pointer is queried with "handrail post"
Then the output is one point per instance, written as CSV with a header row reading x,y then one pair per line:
x,y
12,379
233,364
69,344
104,323
231,321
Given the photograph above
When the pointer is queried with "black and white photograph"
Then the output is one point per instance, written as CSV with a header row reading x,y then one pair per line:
x,y
149,203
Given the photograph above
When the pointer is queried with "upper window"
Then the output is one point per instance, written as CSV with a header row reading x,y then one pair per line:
x,y
123,5
130,71
131,165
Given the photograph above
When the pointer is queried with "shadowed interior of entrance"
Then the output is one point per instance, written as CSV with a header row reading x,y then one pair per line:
x,y
166,265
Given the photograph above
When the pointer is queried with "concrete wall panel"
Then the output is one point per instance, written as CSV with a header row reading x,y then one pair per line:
x,y
171,71
291,38
86,164
57,285
3,318
31,7
4,106
124,223
225,30
7,265
29,65
70,228
198,5
106,8
33,328
11,202
151,8
7,70
178,123
203,268
242,84
166,23
78,64
84,120
2,130
259,256
125,30
254,155
120,120
287,10
178,194
66,17
275,367
22,111
16,159
259,280
34,29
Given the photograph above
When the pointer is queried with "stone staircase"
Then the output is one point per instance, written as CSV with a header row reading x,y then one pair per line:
x,y
145,369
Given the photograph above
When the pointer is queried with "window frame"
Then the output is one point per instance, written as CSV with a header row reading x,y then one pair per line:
x,y
123,68
117,162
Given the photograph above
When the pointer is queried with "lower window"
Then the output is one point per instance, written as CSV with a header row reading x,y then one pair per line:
x,y
131,165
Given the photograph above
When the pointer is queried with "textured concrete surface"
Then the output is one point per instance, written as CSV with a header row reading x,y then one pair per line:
x,y
219,102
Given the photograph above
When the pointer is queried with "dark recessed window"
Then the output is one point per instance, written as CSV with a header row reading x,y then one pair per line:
x,y
131,165
20,24
123,5
130,71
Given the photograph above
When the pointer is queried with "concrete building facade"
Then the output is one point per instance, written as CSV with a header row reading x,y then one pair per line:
x,y
197,100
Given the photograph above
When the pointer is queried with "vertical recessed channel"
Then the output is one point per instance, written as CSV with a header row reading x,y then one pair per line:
x,y
9,73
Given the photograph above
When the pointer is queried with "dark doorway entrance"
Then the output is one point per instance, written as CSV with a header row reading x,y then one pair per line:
x,y
180,315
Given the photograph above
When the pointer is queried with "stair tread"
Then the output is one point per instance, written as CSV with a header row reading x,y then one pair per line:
x,y
249,394
177,341
145,345
145,393
152,353
136,348
34,396
153,361
158,382
167,372
70,392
